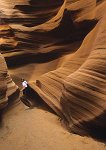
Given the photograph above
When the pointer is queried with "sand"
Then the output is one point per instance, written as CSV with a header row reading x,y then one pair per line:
x,y
30,129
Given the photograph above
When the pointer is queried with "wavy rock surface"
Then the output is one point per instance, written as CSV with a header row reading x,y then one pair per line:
x,y
83,98
57,27
8,89
77,90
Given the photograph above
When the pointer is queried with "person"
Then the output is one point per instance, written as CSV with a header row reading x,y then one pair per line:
x,y
25,87
26,92
24,83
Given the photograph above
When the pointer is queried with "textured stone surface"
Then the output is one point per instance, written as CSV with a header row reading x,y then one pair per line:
x,y
77,90
7,86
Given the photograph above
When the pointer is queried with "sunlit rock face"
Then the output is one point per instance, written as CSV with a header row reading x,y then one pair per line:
x,y
39,26
77,90
83,98
28,19
7,39
8,89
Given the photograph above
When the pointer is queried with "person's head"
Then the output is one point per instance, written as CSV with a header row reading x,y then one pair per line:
x,y
22,80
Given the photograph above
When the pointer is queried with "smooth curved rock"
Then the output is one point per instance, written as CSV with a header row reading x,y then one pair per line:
x,y
77,90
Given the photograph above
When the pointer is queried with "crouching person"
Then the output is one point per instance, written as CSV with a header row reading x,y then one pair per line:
x,y
27,94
